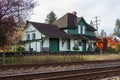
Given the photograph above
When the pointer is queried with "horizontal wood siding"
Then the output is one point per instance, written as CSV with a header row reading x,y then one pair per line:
x,y
72,31
90,33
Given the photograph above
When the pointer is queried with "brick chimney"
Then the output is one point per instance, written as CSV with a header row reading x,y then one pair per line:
x,y
75,13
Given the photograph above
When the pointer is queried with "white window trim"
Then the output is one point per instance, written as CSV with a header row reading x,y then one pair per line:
x,y
79,29
83,29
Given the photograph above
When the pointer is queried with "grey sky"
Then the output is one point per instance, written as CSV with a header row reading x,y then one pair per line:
x,y
107,10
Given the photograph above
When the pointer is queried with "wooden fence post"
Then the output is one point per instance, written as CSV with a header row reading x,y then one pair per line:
x,y
3,58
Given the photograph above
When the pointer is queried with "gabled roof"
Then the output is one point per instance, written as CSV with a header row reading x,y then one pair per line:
x,y
89,27
50,30
70,20
67,21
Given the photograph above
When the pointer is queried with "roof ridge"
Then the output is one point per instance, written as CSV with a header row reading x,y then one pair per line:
x,y
41,23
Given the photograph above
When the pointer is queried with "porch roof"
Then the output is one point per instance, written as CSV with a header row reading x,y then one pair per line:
x,y
91,37
50,30
79,36
84,37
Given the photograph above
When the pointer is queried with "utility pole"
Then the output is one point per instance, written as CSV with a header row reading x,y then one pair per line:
x,y
97,23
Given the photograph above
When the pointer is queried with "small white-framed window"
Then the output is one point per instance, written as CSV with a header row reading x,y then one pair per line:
x,y
79,29
27,36
65,31
83,29
76,42
33,36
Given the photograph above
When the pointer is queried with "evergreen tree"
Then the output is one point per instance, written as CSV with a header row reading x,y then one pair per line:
x,y
51,17
117,23
117,27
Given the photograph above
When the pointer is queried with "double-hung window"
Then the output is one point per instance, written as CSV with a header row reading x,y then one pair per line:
x,y
80,43
79,29
83,29
27,36
33,36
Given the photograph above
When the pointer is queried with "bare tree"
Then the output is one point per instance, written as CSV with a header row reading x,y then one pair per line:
x,y
13,14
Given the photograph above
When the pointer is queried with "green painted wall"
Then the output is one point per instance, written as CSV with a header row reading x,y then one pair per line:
x,y
72,31
81,23
90,33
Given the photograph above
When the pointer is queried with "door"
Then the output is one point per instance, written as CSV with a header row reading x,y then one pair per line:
x,y
84,46
54,45
68,44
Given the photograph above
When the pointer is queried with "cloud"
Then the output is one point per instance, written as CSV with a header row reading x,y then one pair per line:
x,y
108,10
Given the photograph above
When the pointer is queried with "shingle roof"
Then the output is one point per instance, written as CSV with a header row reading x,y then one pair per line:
x,y
85,37
69,20
91,37
79,36
90,28
78,19
50,30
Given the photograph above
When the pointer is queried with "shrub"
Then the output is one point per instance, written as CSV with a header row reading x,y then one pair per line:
x,y
111,50
20,49
118,48
97,49
76,48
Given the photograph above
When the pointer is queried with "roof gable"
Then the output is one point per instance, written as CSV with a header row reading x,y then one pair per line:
x,y
89,27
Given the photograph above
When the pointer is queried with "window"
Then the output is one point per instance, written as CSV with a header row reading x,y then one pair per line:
x,y
68,44
80,43
83,29
65,31
27,36
33,36
76,43
79,29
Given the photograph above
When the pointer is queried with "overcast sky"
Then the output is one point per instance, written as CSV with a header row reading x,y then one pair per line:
x,y
107,10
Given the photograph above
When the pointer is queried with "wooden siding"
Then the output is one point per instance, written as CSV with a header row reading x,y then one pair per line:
x,y
90,33
72,31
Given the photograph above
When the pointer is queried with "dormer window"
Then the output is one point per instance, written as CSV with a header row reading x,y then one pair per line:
x,y
79,29
83,29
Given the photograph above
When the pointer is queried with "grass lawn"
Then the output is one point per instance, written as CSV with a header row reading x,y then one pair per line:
x,y
57,58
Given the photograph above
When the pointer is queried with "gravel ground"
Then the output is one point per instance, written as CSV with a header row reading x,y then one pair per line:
x,y
111,78
52,69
